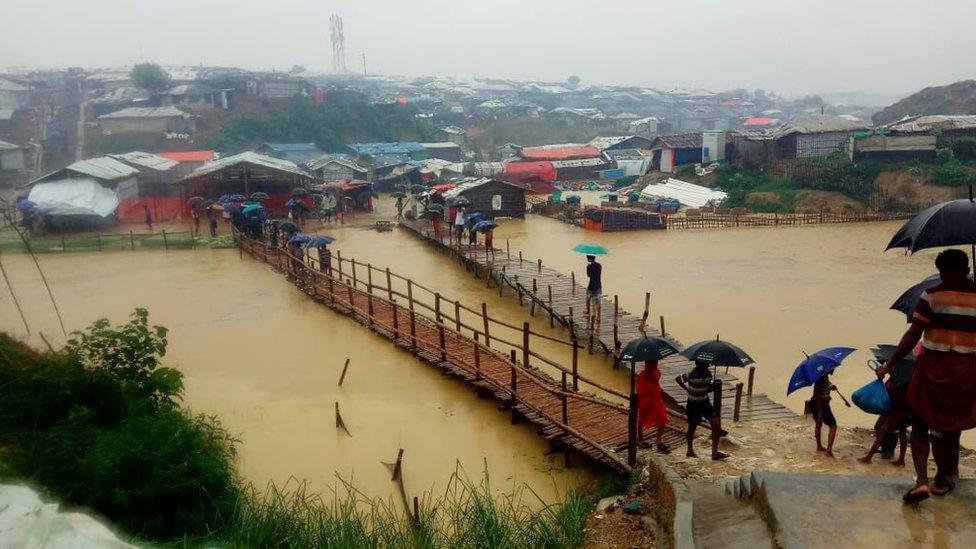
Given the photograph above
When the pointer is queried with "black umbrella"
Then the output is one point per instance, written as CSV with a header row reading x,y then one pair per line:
x,y
647,348
716,352
288,227
908,300
950,223
299,191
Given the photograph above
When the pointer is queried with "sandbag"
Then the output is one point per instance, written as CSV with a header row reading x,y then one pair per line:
x,y
873,398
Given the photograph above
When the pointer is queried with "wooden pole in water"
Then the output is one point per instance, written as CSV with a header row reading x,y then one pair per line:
x,y
752,374
572,279
437,306
354,280
508,249
340,424
369,278
535,290
398,465
662,325
520,258
484,318
525,344
342,377
369,307
738,401
410,293
389,285
10,287
339,259
457,316
540,264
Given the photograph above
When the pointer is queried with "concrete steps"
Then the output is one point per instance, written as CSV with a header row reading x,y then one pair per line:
x,y
721,519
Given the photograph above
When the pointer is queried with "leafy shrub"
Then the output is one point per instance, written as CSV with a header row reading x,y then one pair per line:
x,y
98,424
950,174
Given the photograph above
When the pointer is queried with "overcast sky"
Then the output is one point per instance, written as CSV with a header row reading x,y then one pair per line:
x,y
789,46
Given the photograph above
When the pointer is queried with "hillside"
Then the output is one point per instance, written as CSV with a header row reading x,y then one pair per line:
x,y
957,98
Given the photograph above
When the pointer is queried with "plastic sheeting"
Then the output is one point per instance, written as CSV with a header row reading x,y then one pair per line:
x,y
74,197
689,194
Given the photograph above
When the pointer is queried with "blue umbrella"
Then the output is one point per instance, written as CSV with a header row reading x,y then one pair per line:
x,y
252,208
300,239
483,226
319,241
590,249
816,366
474,217
26,205
236,198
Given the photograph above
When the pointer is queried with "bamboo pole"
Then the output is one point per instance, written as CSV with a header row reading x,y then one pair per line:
x,y
440,335
738,401
389,285
552,317
662,326
484,317
525,344
477,358
339,260
342,377
437,306
413,330
457,316
752,375
410,293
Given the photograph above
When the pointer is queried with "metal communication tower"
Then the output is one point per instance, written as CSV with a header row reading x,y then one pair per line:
x,y
338,44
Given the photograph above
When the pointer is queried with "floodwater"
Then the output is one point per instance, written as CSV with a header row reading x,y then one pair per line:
x,y
266,359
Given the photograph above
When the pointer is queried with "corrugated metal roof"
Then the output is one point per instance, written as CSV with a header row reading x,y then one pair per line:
x,y
6,114
11,86
607,142
625,153
466,185
330,159
932,122
579,162
820,124
147,160
5,146
248,157
103,167
441,145
452,130
189,156
689,194
564,151
292,147
401,147
679,141
146,112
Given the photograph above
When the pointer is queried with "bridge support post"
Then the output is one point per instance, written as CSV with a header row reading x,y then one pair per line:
x,y
413,330
535,290
738,402
632,423
389,285
396,322
525,344
437,306
484,318
513,390
477,358
355,281
552,317
410,293
752,375
339,260
457,315
441,341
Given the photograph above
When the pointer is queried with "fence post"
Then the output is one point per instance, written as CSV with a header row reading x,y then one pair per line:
x,y
535,290
738,401
520,258
477,359
396,323
410,293
457,315
389,285
369,278
369,306
513,388
484,317
339,260
354,281
165,242
540,264
632,424
440,335
525,344
752,374
413,330
662,325
352,302
508,250
552,317
572,279
437,306
331,290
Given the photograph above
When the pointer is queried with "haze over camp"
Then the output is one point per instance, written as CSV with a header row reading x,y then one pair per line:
x,y
376,274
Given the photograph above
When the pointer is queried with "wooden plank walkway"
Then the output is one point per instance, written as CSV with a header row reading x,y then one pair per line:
x,y
592,425
561,297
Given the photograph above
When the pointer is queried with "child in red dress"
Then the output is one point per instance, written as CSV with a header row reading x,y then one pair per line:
x,y
650,405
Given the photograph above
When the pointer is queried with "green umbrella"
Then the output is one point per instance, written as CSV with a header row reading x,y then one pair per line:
x,y
590,249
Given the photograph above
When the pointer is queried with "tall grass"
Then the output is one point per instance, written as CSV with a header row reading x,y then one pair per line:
x,y
467,514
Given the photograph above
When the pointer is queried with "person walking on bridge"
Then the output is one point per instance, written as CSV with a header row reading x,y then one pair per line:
x,y
459,221
148,217
594,292
651,410
698,383
942,391
212,219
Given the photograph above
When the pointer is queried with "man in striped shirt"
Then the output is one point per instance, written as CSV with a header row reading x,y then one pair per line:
x,y
699,383
942,392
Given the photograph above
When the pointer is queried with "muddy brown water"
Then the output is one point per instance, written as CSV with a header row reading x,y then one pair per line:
x,y
266,359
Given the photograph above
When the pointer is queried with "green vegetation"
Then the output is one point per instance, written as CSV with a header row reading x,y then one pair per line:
x,y
98,424
837,173
330,125
756,191
118,241
948,170
150,76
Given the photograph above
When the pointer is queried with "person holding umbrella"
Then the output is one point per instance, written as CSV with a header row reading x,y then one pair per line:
x,y
651,410
942,391
815,370
699,382
459,221
212,220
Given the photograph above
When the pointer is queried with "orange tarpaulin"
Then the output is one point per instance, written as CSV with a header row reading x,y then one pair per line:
x,y
443,187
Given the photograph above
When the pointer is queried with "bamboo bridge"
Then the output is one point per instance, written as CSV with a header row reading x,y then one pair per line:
x,y
569,410
563,300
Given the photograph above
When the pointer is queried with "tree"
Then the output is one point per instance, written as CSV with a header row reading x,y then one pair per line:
x,y
297,69
573,82
150,76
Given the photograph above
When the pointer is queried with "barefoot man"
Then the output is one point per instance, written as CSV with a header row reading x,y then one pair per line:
x,y
942,392
698,383
594,292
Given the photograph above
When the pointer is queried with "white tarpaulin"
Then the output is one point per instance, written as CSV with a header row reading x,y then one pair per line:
x,y
689,194
74,197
